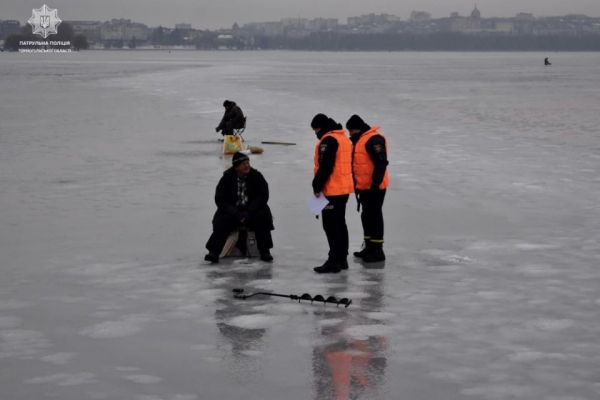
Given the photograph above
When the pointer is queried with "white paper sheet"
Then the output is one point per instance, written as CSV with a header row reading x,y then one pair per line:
x,y
317,204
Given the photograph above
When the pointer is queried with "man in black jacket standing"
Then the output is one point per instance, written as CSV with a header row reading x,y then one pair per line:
x,y
242,195
232,119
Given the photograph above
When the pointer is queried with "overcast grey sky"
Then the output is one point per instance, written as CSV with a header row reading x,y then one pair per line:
x,y
213,14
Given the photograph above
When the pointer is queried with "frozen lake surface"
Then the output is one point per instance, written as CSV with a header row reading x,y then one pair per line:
x,y
108,165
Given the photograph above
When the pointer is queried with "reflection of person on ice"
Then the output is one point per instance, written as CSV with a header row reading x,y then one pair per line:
x,y
232,119
369,166
333,177
546,62
352,370
242,195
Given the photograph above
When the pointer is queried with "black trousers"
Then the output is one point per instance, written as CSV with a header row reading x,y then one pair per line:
x,y
372,214
227,129
336,230
221,232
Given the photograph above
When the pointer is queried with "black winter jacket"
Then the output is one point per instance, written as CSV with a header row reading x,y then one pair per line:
x,y
234,115
257,190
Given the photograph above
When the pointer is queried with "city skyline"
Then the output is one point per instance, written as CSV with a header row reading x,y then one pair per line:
x,y
211,15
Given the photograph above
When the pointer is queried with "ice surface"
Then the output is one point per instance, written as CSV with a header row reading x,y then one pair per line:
x,y
108,164
143,378
64,379
58,358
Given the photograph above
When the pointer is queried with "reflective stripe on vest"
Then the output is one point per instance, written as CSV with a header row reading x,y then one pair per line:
x,y
363,166
340,182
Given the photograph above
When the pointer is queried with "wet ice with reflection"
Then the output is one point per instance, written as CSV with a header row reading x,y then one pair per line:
x,y
489,290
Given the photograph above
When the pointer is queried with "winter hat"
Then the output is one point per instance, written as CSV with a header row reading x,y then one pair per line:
x,y
355,122
239,158
226,103
319,121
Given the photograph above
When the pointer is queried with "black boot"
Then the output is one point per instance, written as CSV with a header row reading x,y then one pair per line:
x,y
212,257
329,267
266,255
376,256
367,249
344,264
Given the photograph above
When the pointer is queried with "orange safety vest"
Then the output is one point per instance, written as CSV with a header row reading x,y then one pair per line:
x,y
362,165
340,182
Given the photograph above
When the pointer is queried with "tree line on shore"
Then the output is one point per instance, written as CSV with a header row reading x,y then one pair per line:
x,y
449,41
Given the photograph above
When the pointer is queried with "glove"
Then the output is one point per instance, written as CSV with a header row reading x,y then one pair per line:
x,y
374,186
217,129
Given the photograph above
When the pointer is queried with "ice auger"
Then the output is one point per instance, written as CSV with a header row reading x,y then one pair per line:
x,y
331,299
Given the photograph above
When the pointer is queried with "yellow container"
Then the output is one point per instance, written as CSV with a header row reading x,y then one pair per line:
x,y
231,144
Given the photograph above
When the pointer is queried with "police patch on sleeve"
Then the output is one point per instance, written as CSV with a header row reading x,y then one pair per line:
x,y
323,148
378,148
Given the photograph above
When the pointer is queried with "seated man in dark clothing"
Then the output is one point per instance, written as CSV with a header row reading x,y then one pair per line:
x,y
241,197
232,119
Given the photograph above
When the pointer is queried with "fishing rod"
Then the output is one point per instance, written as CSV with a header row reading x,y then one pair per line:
x,y
331,299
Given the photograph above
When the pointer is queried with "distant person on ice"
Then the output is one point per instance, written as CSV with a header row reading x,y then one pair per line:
x,y
232,119
333,177
242,195
369,168
546,62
